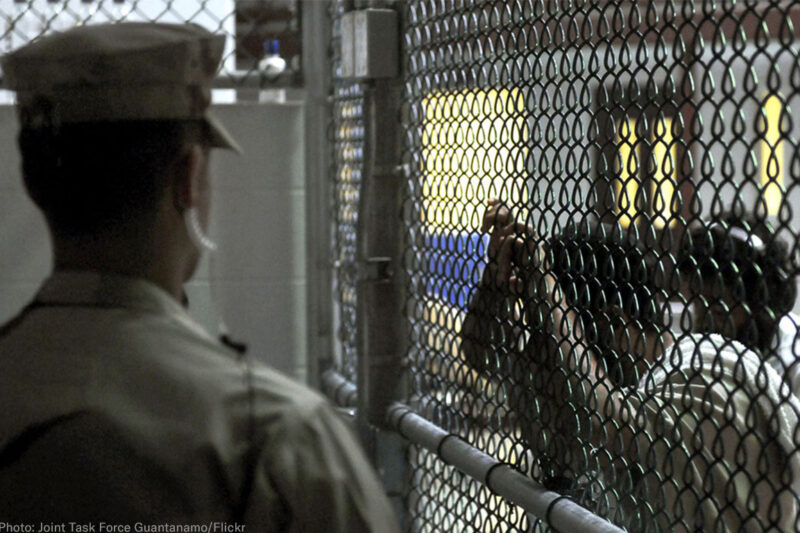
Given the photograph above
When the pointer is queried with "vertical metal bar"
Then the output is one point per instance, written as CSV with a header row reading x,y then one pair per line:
x,y
316,69
380,294
380,291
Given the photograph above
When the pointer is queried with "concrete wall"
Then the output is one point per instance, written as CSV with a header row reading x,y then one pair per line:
x,y
25,257
256,280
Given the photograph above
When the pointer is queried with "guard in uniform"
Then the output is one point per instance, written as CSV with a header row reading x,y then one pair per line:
x,y
117,407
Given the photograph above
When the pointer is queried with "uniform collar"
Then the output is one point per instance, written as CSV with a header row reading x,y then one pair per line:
x,y
96,289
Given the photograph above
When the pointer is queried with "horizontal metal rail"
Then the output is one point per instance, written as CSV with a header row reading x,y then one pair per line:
x,y
557,510
341,391
560,512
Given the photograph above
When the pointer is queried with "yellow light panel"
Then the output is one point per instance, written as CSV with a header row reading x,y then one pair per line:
x,y
772,167
664,177
626,184
474,145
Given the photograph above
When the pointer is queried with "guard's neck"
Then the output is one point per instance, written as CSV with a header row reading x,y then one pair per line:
x,y
131,254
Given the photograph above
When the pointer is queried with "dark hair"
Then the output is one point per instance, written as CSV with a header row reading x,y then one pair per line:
x,y
601,272
600,269
88,176
752,263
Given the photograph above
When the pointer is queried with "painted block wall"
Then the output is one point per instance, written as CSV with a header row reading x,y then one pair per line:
x,y
256,281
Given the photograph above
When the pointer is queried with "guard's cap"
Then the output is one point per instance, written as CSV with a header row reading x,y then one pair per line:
x,y
116,72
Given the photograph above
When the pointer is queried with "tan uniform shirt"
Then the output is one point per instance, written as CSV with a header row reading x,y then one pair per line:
x,y
117,406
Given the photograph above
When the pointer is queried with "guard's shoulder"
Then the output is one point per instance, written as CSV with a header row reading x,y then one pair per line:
x,y
272,386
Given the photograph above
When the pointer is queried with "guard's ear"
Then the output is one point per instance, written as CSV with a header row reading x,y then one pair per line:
x,y
186,178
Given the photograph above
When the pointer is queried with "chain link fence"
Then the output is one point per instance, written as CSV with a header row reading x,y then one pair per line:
x,y
258,31
601,256
347,131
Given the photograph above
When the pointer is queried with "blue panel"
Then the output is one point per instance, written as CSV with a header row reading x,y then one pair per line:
x,y
456,262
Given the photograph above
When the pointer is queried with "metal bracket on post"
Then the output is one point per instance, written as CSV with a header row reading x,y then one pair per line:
x,y
370,44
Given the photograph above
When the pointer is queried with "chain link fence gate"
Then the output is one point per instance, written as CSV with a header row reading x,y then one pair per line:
x,y
617,326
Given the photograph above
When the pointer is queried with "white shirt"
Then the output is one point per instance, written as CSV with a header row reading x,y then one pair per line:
x,y
715,429
787,358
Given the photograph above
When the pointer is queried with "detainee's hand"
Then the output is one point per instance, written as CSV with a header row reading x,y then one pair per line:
x,y
512,248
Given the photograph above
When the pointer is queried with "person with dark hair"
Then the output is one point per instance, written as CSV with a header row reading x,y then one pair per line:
x,y
601,274
704,437
737,277
117,406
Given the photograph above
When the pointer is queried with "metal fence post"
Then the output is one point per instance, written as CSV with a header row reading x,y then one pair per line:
x,y
380,293
381,338
316,37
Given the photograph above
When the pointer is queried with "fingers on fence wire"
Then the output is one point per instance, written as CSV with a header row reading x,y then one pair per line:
x,y
499,215
513,250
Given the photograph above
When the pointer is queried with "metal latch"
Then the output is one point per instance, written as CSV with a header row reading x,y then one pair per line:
x,y
375,268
